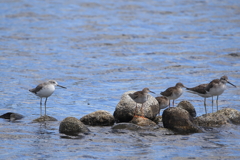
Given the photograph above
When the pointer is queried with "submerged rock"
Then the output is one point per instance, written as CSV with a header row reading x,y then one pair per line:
x,y
125,109
72,126
188,107
179,120
219,118
98,118
127,126
12,116
141,121
45,118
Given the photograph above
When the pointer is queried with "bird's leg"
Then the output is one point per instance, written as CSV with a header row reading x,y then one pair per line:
x,y
169,104
41,106
212,104
205,105
217,103
173,103
45,106
135,110
142,110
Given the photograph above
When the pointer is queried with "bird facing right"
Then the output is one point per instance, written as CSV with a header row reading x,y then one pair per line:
x,y
173,92
201,91
217,86
45,90
140,97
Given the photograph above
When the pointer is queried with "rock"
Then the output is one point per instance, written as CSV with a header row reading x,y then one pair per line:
x,y
125,109
72,126
98,118
142,121
127,126
179,120
188,107
232,114
219,118
12,116
45,118
157,119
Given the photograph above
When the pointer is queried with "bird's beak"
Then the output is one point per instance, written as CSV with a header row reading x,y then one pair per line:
x,y
231,84
152,92
61,86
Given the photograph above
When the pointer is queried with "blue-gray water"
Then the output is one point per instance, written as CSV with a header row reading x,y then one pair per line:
x,y
101,49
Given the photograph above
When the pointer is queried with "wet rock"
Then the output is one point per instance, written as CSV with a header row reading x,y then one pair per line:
x,y
127,126
188,107
125,109
157,119
142,121
12,116
98,118
179,120
219,118
237,54
72,126
45,118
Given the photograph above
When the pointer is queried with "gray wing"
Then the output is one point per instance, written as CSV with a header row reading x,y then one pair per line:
x,y
167,92
38,88
210,85
134,95
199,89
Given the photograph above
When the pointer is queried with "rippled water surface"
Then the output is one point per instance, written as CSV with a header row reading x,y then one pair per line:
x,y
101,49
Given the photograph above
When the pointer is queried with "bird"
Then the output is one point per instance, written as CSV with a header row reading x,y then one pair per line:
x,y
216,87
45,90
173,93
201,91
140,97
163,102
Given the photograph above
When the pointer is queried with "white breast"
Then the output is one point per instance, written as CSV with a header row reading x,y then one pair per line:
x,y
217,89
46,91
176,94
141,99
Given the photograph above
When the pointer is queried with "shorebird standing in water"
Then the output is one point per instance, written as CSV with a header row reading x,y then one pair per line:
x,y
140,97
163,102
173,93
201,91
45,90
216,87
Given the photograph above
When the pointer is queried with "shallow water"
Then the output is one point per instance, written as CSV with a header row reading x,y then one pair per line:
x,y
101,49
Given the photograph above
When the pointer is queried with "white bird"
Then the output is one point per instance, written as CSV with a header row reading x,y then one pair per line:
x,y
45,90
217,86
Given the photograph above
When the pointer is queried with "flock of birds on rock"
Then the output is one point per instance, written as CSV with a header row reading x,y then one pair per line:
x,y
215,88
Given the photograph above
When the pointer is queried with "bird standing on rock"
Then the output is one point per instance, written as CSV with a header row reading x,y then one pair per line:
x,y
173,93
140,97
163,102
